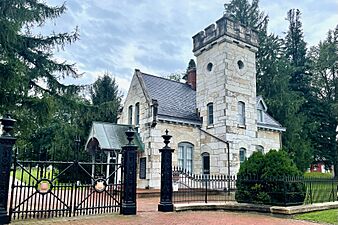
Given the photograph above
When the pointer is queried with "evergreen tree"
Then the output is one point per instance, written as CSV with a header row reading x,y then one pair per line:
x,y
323,99
296,51
106,99
29,74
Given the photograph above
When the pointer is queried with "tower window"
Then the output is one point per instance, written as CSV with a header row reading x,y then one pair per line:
x,y
242,155
241,113
209,67
210,113
260,148
130,115
240,64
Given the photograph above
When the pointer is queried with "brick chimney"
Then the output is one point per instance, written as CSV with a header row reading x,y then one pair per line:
x,y
191,74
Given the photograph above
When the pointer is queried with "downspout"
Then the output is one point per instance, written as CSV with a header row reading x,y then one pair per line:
x,y
227,144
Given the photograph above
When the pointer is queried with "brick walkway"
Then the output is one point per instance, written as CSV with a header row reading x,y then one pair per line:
x,y
147,214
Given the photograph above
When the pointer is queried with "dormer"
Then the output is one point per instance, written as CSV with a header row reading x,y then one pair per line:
x,y
261,109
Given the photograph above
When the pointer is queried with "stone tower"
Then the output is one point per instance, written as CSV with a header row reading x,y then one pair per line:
x,y
226,92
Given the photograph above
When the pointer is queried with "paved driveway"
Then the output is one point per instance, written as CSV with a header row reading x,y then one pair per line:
x,y
147,214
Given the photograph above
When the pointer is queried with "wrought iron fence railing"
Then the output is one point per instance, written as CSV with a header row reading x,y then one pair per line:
x,y
284,191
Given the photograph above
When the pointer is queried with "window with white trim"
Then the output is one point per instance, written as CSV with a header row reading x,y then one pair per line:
x,y
242,155
130,115
137,113
210,113
185,155
260,148
241,113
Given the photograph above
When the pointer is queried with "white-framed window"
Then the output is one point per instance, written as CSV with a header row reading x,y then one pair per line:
x,y
137,113
260,115
130,115
185,155
210,107
260,148
241,113
242,155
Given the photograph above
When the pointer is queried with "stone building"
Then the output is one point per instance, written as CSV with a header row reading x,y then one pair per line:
x,y
215,118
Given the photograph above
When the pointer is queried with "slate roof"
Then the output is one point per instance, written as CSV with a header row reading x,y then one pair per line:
x,y
176,100
268,121
112,136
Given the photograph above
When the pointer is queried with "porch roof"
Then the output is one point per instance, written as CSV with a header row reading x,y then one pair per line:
x,y
111,137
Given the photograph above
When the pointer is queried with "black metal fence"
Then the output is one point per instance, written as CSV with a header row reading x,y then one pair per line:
x,y
188,187
283,191
44,187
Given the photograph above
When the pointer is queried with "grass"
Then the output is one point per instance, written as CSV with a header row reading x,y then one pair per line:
x,y
326,216
320,187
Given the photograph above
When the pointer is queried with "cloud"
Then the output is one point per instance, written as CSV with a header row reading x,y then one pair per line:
x,y
155,36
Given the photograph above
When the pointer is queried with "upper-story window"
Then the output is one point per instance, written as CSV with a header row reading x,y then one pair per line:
x,y
210,113
241,113
259,115
185,154
137,113
260,148
130,115
242,155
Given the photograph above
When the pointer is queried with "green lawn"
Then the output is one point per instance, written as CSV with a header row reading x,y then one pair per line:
x,y
326,216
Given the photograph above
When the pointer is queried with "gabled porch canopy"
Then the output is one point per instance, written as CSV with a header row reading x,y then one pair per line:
x,y
110,137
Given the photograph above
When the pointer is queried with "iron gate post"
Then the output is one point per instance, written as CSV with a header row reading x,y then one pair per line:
x,y
129,174
166,203
6,150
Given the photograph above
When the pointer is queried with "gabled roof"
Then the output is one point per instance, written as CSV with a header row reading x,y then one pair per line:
x,y
268,122
176,101
111,136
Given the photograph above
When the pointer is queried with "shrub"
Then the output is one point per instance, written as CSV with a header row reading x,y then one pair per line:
x,y
270,179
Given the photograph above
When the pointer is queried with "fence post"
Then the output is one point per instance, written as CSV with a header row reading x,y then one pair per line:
x,y
166,201
6,150
129,174
310,191
206,188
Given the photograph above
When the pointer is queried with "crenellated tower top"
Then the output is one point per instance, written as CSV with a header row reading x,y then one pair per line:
x,y
225,27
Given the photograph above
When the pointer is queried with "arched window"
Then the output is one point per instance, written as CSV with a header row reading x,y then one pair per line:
x,y
206,162
210,107
130,115
242,155
185,154
241,113
137,113
260,148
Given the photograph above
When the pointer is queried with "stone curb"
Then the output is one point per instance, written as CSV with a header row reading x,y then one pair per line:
x,y
234,206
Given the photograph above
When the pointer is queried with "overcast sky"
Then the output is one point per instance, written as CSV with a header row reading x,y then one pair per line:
x,y
155,35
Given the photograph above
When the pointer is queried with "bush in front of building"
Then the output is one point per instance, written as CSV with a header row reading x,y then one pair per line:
x,y
271,179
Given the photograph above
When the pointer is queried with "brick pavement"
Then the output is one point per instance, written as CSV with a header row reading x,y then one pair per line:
x,y
147,214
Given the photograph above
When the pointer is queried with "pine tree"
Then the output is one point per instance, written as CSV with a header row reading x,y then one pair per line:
x,y
106,99
296,52
29,73
322,105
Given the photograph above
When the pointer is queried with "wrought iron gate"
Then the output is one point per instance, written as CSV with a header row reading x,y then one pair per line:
x,y
46,187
